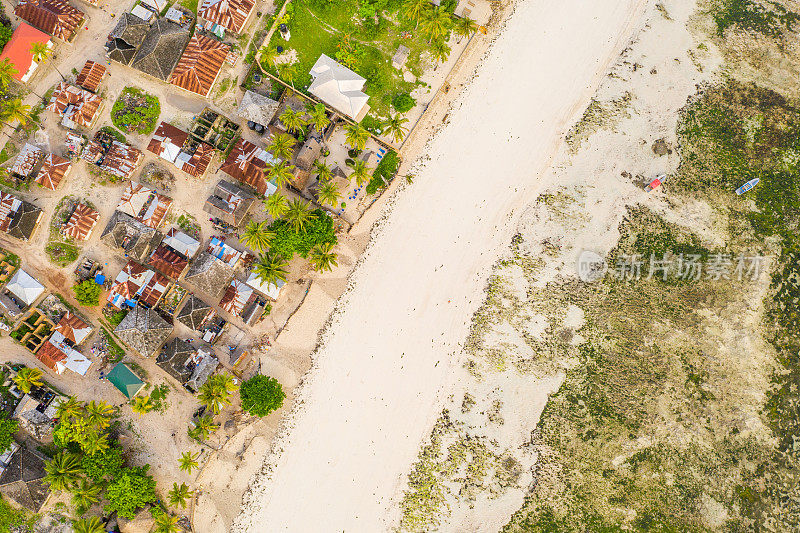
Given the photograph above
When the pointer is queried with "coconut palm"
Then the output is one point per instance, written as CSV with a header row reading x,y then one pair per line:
x,y
297,214
361,172
293,120
322,170
40,51
62,471
7,72
282,145
203,428
88,525
167,523
142,405
464,27
356,136
288,72
188,462
257,236
395,126
328,193
268,55
281,173
99,414
318,116
415,10
276,205
14,109
28,378
270,268
84,495
179,494
440,51
216,391
94,442
436,23
69,409
322,257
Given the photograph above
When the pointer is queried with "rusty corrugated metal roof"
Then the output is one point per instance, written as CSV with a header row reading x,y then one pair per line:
x,y
248,163
53,171
81,223
199,65
91,75
230,14
55,17
26,160
77,106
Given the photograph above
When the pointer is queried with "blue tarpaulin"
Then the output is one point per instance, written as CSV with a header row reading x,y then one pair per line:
x,y
99,279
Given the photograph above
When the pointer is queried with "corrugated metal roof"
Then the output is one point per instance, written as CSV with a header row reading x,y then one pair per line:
x,y
77,106
81,223
121,159
236,297
26,160
55,17
53,171
199,65
168,261
91,75
230,14
248,163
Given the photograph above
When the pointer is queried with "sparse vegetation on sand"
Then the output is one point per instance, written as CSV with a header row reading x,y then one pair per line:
x,y
135,111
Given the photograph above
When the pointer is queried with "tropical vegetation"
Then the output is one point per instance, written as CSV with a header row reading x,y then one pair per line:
x,y
261,395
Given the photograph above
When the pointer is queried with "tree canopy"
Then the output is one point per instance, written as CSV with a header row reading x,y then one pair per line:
x,y
261,395
131,490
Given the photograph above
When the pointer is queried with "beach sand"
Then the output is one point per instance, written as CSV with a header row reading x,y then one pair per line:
x,y
381,375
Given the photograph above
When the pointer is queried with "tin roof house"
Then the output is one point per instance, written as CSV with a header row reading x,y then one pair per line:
x,y
233,15
55,17
143,330
229,203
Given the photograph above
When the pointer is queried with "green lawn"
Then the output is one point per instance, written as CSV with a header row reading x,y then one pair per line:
x,y
318,28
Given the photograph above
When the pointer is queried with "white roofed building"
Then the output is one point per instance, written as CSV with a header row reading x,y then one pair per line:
x,y
339,87
25,287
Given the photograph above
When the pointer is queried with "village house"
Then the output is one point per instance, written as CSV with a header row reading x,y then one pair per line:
x,y
154,49
241,301
80,223
209,275
58,354
55,17
18,51
168,261
75,106
111,156
182,150
232,15
18,218
271,290
26,162
137,284
200,64
143,330
90,76
229,203
202,318
257,109
125,380
182,243
339,87
191,367
126,37
20,293
54,169
248,163
144,204
133,238
22,476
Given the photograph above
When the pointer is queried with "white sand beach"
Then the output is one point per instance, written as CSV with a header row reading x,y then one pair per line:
x,y
380,378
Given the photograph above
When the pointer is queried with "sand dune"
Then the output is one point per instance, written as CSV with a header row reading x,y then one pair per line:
x,y
380,378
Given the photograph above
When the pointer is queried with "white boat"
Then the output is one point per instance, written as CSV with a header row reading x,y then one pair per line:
x,y
747,186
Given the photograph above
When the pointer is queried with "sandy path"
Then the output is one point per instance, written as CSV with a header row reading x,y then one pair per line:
x,y
379,380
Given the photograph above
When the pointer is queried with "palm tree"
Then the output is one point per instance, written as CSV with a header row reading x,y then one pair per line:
x,y
40,51
356,136
268,55
282,145
276,205
293,120
436,24
88,525
62,471
69,409
188,462
361,172
95,442
328,193
14,109
323,258
464,27
167,523
288,71
257,236
396,127
203,428
99,414
179,494
318,116
7,72
270,268
28,378
298,214
142,405
440,51
415,10
322,170
84,495
281,174
215,392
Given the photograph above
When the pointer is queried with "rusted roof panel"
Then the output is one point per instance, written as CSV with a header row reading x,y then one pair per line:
x,y
199,65
91,75
168,261
26,161
77,106
55,17
53,171
230,14
81,223
248,163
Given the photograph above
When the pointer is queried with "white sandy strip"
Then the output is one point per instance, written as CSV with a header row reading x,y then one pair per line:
x,y
379,380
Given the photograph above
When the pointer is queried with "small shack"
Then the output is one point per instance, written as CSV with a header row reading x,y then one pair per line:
x,y
125,380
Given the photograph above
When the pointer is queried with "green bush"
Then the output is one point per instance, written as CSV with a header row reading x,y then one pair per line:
x,y
7,430
103,465
87,293
287,241
403,103
384,172
5,34
135,111
130,491
372,124
261,395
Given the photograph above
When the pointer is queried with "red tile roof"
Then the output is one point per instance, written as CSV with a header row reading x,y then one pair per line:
x,y
55,17
18,50
53,171
168,261
199,65
230,14
81,223
91,75
248,163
